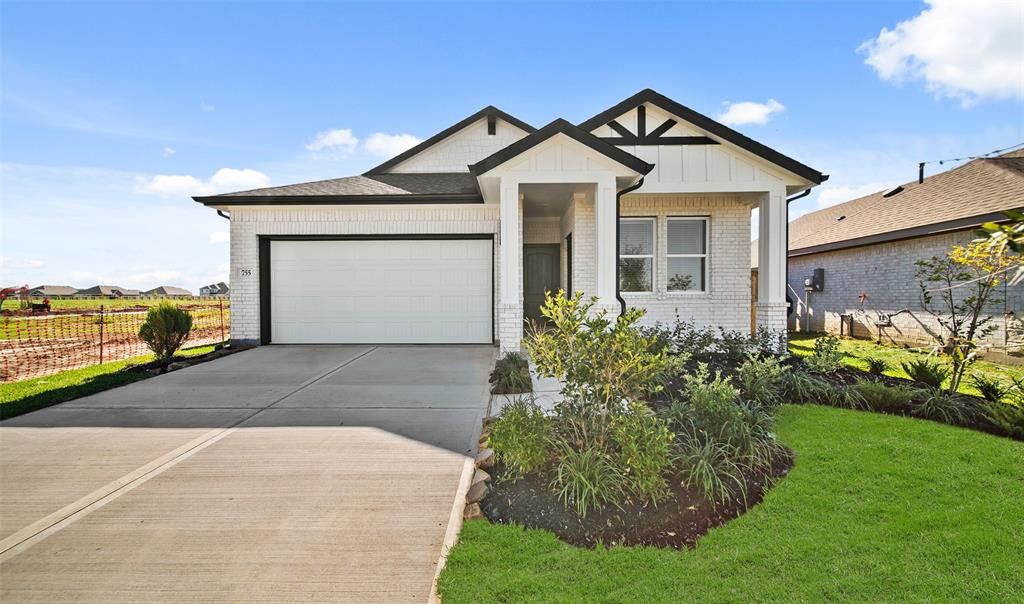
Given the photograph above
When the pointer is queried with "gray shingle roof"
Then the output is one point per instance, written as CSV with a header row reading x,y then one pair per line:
x,y
54,290
456,184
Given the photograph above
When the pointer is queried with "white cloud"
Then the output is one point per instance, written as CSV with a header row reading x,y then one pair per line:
x,y
390,145
169,152
7,263
224,180
748,112
218,237
207,107
341,140
968,50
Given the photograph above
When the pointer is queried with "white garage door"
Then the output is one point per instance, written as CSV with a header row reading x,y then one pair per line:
x,y
381,291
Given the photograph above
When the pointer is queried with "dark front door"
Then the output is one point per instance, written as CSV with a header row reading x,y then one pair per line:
x,y
540,275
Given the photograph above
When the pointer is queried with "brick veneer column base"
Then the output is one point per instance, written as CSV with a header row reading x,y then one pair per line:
x,y
510,327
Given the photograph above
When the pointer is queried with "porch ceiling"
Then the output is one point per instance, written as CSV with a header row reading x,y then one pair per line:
x,y
546,200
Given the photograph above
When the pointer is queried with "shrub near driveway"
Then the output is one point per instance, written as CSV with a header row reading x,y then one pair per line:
x,y
877,508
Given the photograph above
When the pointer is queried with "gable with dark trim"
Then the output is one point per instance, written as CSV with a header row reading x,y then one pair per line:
x,y
699,120
576,133
490,112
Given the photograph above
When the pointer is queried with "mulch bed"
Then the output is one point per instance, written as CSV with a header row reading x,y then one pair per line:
x,y
677,522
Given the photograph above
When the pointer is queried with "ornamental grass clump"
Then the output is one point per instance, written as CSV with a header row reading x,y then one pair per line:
x,y
165,329
511,375
881,397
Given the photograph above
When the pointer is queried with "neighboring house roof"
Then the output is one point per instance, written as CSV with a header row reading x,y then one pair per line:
x,y
961,198
561,126
108,290
964,197
168,290
707,124
490,111
452,187
215,288
54,290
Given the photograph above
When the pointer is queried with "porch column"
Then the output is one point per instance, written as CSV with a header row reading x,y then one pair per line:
x,y
510,306
607,254
772,257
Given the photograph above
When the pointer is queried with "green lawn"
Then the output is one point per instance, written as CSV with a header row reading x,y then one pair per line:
x,y
28,395
857,350
877,509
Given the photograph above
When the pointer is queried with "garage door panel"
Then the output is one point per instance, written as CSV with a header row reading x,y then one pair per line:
x,y
381,291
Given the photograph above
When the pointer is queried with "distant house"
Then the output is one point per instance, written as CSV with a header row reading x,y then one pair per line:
x,y
866,249
167,291
108,291
53,291
215,289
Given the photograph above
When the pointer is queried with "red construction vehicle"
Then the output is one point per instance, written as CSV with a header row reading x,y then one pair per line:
x,y
18,293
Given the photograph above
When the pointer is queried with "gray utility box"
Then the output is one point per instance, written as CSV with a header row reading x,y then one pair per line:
x,y
816,282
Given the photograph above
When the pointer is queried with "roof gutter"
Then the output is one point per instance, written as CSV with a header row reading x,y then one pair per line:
x,y
618,229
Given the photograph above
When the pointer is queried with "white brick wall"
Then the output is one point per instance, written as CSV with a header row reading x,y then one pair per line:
x,y
884,273
247,223
726,303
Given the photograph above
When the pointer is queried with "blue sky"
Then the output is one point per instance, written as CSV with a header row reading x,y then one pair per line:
x,y
112,114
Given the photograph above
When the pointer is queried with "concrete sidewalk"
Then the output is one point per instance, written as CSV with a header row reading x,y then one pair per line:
x,y
323,473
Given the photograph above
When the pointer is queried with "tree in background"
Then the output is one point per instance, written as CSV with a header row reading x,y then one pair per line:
x,y
956,289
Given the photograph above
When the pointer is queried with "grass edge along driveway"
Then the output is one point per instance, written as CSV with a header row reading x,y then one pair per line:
x,y
877,508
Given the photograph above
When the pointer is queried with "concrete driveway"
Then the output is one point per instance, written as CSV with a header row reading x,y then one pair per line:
x,y
323,473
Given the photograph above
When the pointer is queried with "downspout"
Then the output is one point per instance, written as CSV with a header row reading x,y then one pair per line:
x,y
618,228
788,201
223,215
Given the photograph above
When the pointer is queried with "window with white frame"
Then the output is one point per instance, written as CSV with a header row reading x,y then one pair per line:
x,y
686,249
636,255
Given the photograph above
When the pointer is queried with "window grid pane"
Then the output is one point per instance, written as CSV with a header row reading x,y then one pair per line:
x,y
687,236
636,238
686,274
636,274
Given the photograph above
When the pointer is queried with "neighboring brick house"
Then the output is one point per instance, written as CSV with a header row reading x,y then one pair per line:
x,y
868,247
457,239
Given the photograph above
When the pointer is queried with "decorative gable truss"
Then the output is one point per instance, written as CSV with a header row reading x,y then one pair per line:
x,y
631,129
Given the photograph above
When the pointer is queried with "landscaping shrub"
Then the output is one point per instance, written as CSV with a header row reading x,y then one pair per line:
x,y
586,479
826,357
683,337
991,388
521,437
643,445
511,375
733,345
927,372
762,379
1007,417
165,329
881,397
712,401
877,365
768,342
707,465
945,407
804,387
600,361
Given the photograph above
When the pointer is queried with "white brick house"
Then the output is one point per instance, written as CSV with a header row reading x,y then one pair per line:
x,y
457,239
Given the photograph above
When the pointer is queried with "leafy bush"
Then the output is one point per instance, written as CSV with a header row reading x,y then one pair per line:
x,y
165,329
768,342
586,479
881,397
945,407
521,437
991,388
762,379
643,445
600,361
733,345
877,365
708,466
511,375
712,400
927,372
683,337
1007,417
826,357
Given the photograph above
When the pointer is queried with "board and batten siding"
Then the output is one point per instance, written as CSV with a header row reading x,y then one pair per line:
x,y
465,147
